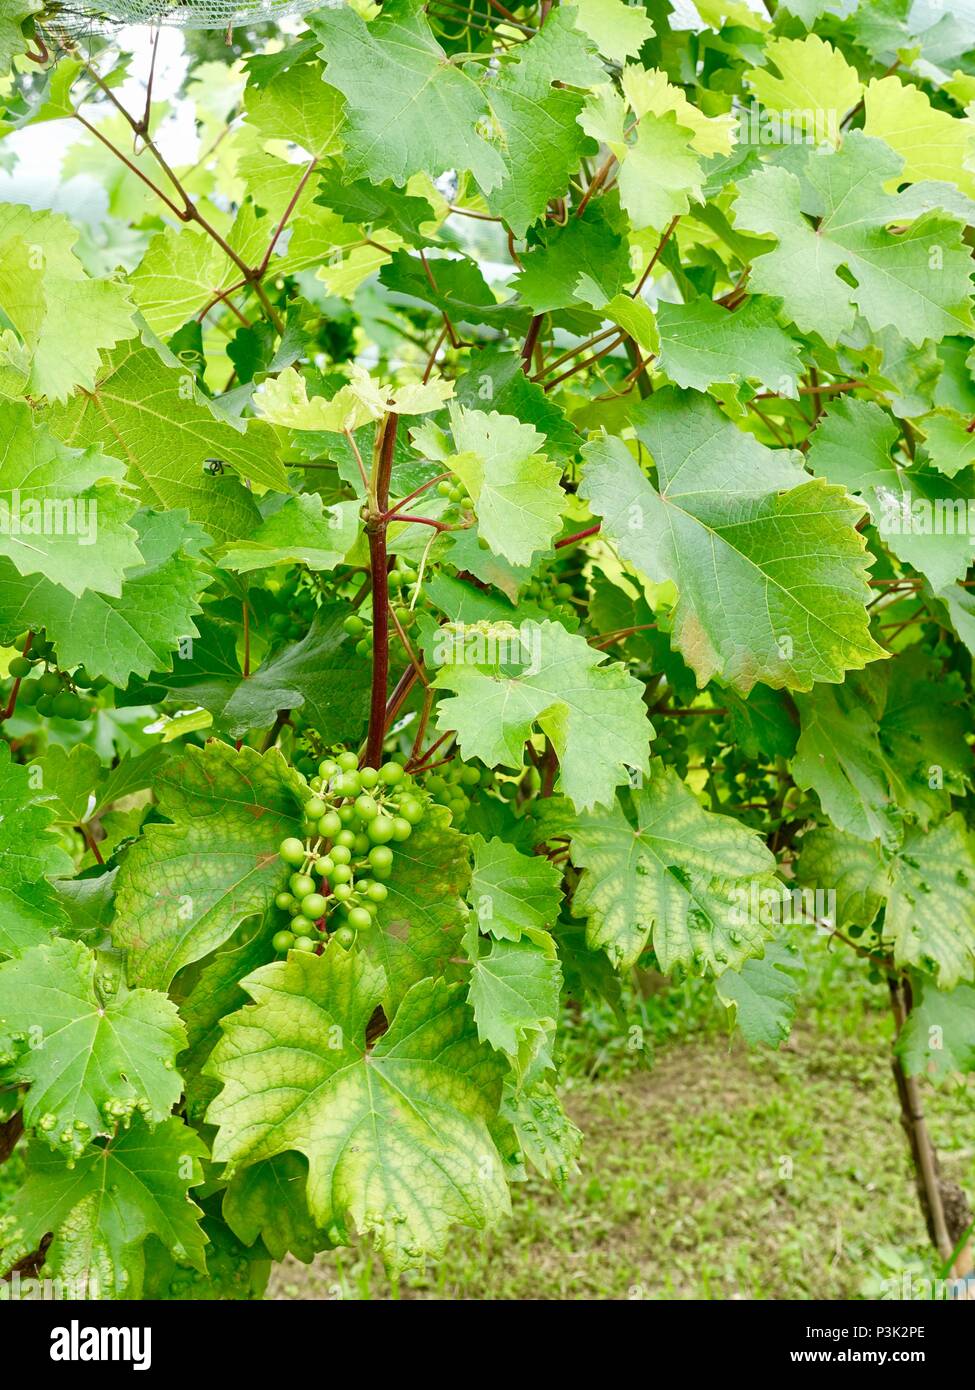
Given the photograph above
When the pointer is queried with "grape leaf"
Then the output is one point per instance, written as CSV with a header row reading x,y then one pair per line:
x,y
303,531
92,1056
29,856
408,109
64,317
585,262
180,274
136,632
147,411
65,515
732,517
932,143
702,345
267,1202
514,995
813,79
547,1137
763,995
513,894
541,674
619,30
916,509
673,876
299,107
938,1036
103,1205
397,1137
896,283
185,887
925,888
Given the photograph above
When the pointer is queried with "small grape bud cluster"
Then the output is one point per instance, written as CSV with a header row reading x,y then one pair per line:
x,y
454,784
52,692
354,818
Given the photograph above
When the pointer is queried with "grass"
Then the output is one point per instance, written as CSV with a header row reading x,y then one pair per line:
x,y
709,1170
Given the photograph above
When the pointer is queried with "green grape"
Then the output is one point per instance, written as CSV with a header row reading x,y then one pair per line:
x,y
410,810
347,784
360,845
329,825
376,892
304,943
348,762
342,873
402,829
470,776
345,937
292,851
367,808
30,693
381,858
363,647
315,808
342,892
324,866
391,773
313,906
359,919
49,683
346,838
368,777
327,769
282,941
301,926
19,667
284,901
301,885
346,813
341,855
380,829
353,625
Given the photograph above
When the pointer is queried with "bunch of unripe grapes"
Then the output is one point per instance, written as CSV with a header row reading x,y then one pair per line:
x,y
297,609
453,785
400,577
52,692
354,819
459,503
548,593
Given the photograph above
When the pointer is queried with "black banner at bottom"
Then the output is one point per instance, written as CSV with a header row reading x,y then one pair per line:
x,y
64,1339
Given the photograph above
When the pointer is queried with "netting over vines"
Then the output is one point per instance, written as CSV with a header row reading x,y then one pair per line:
x,y
192,14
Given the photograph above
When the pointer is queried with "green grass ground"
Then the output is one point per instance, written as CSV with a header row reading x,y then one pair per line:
x,y
709,1170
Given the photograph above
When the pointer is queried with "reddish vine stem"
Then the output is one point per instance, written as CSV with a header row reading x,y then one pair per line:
x,y
579,536
376,523
531,338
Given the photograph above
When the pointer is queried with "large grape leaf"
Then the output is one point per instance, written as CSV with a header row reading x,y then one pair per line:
x,y
513,894
145,410
541,674
181,272
925,888
769,567
64,317
397,1136
116,637
297,106
103,1204
938,1036
66,516
910,506
916,280
93,1055
408,108
420,926
672,876
185,887
933,143
29,856
811,81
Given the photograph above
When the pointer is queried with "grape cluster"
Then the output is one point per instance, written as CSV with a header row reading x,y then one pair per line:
x,y
400,577
459,503
549,593
353,819
454,784
52,692
297,604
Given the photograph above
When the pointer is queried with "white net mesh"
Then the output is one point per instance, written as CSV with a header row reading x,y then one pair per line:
x,y
189,14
